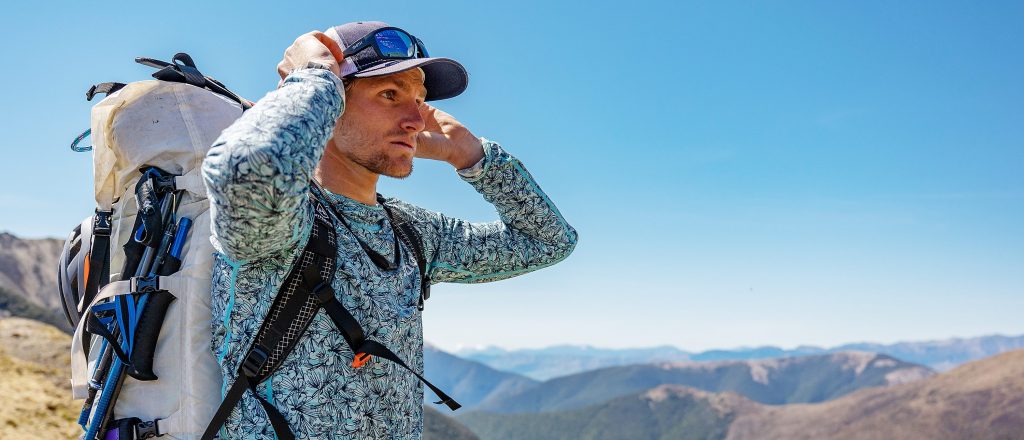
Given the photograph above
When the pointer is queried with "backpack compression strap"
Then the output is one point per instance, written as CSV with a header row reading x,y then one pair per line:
x,y
306,290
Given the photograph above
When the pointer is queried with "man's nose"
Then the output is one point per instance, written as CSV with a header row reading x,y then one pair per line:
x,y
412,119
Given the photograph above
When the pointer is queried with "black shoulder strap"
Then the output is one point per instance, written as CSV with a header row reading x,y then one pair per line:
x,y
407,232
306,290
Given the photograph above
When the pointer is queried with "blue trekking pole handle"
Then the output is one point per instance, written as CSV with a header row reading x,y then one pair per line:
x,y
153,308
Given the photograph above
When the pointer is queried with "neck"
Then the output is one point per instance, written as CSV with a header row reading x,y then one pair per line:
x,y
340,175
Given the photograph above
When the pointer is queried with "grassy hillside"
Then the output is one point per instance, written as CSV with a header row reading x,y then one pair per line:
x,y
36,402
36,399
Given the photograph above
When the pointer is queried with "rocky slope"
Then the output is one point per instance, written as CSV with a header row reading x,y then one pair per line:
x,y
28,269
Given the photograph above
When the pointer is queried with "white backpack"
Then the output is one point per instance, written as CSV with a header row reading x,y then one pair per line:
x,y
168,123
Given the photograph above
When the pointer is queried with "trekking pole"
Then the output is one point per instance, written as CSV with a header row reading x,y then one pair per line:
x,y
115,377
105,354
153,305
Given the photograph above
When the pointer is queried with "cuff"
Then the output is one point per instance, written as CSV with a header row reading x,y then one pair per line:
x,y
306,74
478,168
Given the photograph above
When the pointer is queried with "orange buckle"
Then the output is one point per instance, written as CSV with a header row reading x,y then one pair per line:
x,y
360,360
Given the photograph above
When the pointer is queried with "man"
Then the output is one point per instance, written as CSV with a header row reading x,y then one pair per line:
x,y
316,131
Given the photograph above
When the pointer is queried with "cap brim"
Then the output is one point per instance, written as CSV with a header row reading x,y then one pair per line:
x,y
445,77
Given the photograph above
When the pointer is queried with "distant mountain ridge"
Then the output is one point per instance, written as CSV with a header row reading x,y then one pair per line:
x,y
980,400
772,381
468,382
546,363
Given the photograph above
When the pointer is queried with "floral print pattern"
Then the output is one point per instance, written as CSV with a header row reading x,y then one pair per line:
x,y
258,176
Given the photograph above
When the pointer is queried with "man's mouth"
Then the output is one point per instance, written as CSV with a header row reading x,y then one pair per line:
x,y
403,144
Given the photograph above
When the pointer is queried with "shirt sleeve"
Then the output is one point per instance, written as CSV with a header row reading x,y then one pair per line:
x,y
257,172
531,234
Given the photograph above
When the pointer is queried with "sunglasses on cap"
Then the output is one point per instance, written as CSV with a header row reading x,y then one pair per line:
x,y
390,43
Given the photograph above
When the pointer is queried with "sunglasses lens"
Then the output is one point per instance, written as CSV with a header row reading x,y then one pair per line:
x,y
395,44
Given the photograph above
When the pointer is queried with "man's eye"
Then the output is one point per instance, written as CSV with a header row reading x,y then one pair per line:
x,y
388,94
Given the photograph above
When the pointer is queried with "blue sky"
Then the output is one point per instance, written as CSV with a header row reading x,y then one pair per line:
x,y
740,173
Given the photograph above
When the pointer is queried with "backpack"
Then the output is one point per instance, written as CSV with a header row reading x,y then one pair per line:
x,y
140,300
134,278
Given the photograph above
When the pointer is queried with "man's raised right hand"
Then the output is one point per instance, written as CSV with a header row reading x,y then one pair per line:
x,y
311,47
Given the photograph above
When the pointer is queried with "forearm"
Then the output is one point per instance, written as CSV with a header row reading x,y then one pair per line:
x,y
257,173
531,234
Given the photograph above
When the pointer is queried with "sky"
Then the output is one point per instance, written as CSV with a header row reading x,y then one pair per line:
x,y
740,173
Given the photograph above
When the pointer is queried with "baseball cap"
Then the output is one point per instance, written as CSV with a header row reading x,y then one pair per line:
x,y
445,77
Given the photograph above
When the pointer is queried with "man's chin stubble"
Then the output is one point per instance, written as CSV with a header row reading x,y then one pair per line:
x,y
380,165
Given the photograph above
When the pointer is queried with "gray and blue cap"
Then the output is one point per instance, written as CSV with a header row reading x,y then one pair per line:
x,y
445,77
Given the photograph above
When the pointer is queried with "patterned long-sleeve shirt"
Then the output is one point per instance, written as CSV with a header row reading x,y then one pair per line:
x,y
258,176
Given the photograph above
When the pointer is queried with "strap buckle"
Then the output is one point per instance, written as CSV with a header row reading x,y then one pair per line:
x,y
164,183
145,284
360,360
144,430
254,361
101,223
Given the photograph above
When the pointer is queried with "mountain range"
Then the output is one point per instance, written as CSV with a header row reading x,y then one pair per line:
x,y
546,363
771,381
979,400
467,381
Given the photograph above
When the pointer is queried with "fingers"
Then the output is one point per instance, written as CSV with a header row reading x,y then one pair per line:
x,y
431,123
332,45
314,46
282,70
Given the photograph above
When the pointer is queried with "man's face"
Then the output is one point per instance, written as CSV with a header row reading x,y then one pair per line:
x,y
381,120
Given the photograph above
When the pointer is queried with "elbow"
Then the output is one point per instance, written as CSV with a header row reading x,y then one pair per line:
x,y
567,243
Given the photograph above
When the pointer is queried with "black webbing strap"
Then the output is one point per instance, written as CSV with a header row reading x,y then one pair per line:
x,y
246,381
107,87
182,69
356,339
95,327
99,266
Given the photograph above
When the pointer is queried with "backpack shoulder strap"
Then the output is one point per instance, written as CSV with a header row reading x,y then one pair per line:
x,y
304,292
